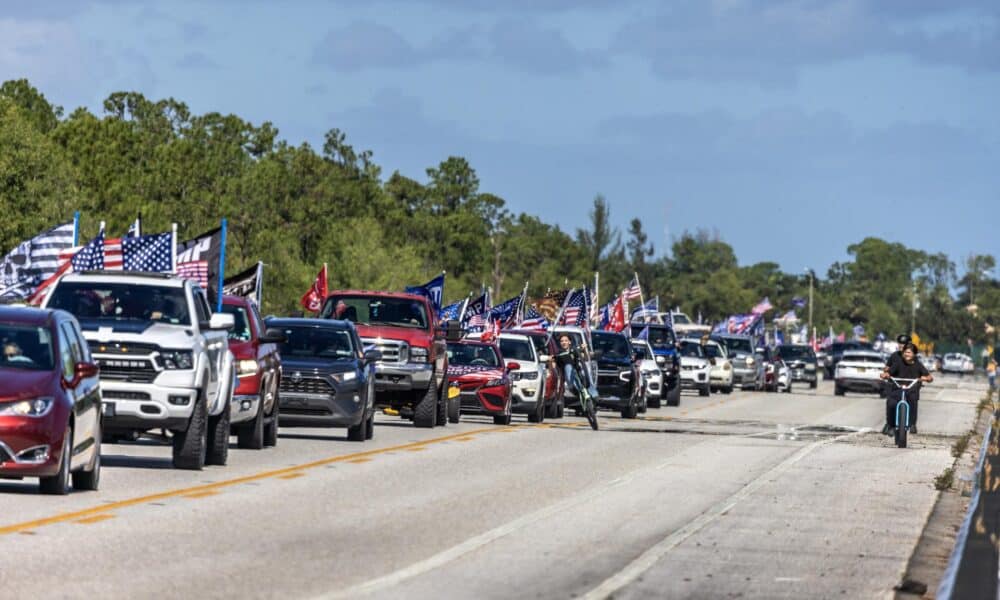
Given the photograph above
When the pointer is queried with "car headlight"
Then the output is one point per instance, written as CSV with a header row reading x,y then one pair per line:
x,y
493,383
726,366
177,359
810,367
246,367
418,354
344,377
530,375
750,361
36,407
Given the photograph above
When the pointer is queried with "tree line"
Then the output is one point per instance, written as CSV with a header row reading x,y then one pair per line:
x,y
296,207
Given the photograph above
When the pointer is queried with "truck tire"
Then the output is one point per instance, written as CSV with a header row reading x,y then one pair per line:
x,y
191,445
250,436
674,395
58,484
654,402
218,438
705,391
442,411
370,433
454,410
630,411
425,412
271,426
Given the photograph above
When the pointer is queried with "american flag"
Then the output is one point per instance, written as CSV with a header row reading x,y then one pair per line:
x,y
762,307
195,270
534,320
33,261
574,313
91,256
147,253
633,291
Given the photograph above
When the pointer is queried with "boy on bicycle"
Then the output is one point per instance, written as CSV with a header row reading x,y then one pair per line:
x,y
907,367
570,358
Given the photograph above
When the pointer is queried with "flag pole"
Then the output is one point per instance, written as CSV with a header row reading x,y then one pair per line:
x,y
222,265
642,301
173,248
563,307
76,229
260,285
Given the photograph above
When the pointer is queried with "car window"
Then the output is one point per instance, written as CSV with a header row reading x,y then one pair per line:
x,y
691,350
865,358
516,349
26,347
201,307
317,342
66,356
680,319
73,341
612,346
660,337
713,351
475,355
111,301
795,352
376,310
241,323
540,343
739,345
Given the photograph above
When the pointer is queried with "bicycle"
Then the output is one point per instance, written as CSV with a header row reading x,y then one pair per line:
x,y
588,404
902,406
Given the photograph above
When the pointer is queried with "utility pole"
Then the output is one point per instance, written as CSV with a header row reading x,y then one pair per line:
x,y
810,272
913,310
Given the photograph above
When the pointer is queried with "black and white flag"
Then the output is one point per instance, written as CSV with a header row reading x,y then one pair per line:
x,y
32,262
198,260
247,284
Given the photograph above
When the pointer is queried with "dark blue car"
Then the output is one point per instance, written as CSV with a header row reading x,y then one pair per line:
x,y
328,378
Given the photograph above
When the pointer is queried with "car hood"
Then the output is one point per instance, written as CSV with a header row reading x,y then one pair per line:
x,y
473,373
694,361
614,363
165,336
410,335
316,366
21,384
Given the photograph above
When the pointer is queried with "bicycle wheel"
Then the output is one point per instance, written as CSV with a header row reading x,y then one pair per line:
x,y
902,427
591,412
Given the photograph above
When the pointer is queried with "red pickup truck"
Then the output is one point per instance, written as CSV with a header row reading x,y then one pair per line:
x,y
409,379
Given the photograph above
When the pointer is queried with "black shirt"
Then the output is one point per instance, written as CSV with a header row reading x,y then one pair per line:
x,y
903,370
567,357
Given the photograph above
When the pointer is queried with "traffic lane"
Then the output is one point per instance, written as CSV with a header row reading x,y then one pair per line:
x,y
137,469
598,531
326,527
841,523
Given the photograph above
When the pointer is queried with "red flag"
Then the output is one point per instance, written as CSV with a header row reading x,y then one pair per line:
x,y
313,299
617,321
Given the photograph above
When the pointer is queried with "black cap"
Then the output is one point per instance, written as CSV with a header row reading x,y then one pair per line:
x,y
902,339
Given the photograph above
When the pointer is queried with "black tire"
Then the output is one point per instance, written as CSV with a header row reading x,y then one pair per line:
x,y
250,436
442,411
674,395
592,414
58,484
838,391
631,411
643,403
191,445
812,384
218,438
552,409
654,402
560,409
90,479
501,419
537,415
727,390
901,437
271,427
359,432
370,432
705,391
788,388
454,410
425,412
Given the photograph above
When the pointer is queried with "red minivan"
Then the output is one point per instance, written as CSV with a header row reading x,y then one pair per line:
x,y
254,410
50,401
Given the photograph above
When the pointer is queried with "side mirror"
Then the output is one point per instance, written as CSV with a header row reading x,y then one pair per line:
x,y
273,335
513,366
373,356
81,371
544,358
220,321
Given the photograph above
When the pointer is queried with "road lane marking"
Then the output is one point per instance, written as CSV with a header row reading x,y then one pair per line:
x,y
95,519
204,494
650,557
27,526
291,475
358,461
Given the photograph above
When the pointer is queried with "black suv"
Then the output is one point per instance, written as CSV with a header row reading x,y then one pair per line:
x,y
836,352
801,359
618,382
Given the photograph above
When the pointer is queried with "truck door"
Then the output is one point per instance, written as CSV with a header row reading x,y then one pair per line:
x,y
215,345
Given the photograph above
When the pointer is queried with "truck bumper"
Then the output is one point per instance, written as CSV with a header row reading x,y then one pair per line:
x,y
136,406
402,377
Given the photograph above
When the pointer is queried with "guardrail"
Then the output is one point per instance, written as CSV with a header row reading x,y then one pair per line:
x,y
973,567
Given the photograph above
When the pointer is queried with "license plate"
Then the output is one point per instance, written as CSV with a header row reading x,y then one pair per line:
x,y
108,409
861,369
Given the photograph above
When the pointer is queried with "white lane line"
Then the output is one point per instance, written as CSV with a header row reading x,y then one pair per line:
x,y
474,543
650,557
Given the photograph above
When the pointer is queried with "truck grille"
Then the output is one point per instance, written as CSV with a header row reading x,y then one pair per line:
x,y
132,370
392,351
307,385
122,349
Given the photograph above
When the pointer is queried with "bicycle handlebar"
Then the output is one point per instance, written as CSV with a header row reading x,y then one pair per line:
x,y
902,387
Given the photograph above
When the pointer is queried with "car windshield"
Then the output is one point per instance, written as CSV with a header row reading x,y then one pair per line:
x,y
540,343
516,349
122,302
713,351
317,342
25,347
376,310
739,345
241,323
863,358
573,335
473,355
640,350
660,337
680,319
611,345
691,349
795,352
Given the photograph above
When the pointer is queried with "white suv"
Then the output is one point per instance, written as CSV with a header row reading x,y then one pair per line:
x,y
164,358
528,382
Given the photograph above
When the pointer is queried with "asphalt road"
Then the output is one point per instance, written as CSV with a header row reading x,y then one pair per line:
x,y
742,495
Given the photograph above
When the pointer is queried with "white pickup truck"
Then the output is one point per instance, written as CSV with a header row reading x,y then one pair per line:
x,y
163,355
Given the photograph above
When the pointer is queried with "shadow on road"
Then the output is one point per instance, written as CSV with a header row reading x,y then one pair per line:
x,y
135,462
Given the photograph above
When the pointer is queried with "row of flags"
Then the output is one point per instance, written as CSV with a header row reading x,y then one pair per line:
x,y
28,271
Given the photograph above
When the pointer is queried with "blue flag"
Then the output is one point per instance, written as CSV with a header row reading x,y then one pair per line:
x,y
644,334
450,312
506,312
91,256
433,289
475,313
148,253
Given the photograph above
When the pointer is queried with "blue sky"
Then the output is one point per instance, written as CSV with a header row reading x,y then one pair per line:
x,y
791,129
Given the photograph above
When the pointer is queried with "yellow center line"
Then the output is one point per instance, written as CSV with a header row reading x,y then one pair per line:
x,y
95,519
201,494
290,475
106,508
364,460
